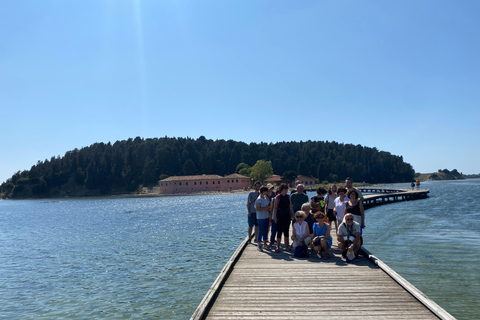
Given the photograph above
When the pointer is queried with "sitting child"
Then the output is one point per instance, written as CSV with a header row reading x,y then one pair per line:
x,y
322,240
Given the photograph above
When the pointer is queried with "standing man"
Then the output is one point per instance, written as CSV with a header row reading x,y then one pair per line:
x,y
252,213
298,198
349,186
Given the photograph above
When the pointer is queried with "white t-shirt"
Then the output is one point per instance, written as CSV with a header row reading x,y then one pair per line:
x,y
343,232
263,214
340,205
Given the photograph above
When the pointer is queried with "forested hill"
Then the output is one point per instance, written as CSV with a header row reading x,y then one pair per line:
x,y
105,168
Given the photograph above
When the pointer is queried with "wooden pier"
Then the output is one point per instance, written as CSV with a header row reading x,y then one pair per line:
x,y
269,285
388,195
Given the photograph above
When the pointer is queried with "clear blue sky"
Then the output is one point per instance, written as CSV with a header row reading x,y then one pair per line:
x,y
401,76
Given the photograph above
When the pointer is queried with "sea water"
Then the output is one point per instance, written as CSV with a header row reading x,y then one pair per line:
x,y
155,258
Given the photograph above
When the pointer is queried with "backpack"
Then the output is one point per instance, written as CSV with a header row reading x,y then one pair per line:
x,y
301,251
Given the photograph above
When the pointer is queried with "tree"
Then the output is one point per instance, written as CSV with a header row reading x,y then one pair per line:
x,y
244,169
241,166
162,176
261,170
302,168
189,168
289,176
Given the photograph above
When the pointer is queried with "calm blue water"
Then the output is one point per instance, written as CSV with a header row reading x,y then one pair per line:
x,y
155,258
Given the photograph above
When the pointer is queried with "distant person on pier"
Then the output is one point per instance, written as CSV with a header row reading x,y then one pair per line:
x,y
252,215
340,200
298,198
349,186
273,226
413,185
330,205
355,207
322,240
418,183
262,208
348,238
281,215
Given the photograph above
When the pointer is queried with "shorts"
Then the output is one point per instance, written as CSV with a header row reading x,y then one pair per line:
x,y
331,215
283,226
252,220
328,241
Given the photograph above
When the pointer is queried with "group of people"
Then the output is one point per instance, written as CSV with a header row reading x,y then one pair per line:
x,y
273,210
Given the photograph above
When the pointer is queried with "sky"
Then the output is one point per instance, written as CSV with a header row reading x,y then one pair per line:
x,y
400,75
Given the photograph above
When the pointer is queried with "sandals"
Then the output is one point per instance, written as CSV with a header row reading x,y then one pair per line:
x,y
277,250
327,256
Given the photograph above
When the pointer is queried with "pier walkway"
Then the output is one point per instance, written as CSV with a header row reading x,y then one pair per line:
x,y
374,196
269,285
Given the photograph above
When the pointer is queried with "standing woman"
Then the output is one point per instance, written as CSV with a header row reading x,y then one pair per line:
x,y
281,215
340,200
330,204
262,206
355,207
273,231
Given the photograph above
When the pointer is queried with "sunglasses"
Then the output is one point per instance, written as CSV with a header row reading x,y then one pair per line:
x,y
349,219
298,216
321,217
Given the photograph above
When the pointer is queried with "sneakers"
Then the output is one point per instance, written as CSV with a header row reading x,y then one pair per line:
x,y
277,250
260,247
289,249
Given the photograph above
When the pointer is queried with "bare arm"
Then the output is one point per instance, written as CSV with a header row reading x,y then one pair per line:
x,y
362,212
327,234
356,242
275,207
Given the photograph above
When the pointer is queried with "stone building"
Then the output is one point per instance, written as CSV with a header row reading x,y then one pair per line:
x,y
202,183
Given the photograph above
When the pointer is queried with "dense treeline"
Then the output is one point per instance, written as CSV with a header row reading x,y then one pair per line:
x,y
125,165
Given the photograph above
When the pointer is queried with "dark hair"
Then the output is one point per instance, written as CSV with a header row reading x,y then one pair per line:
x,y
341,189
317,214
330,190
321,190
257,182
282,186
263,189
352,191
